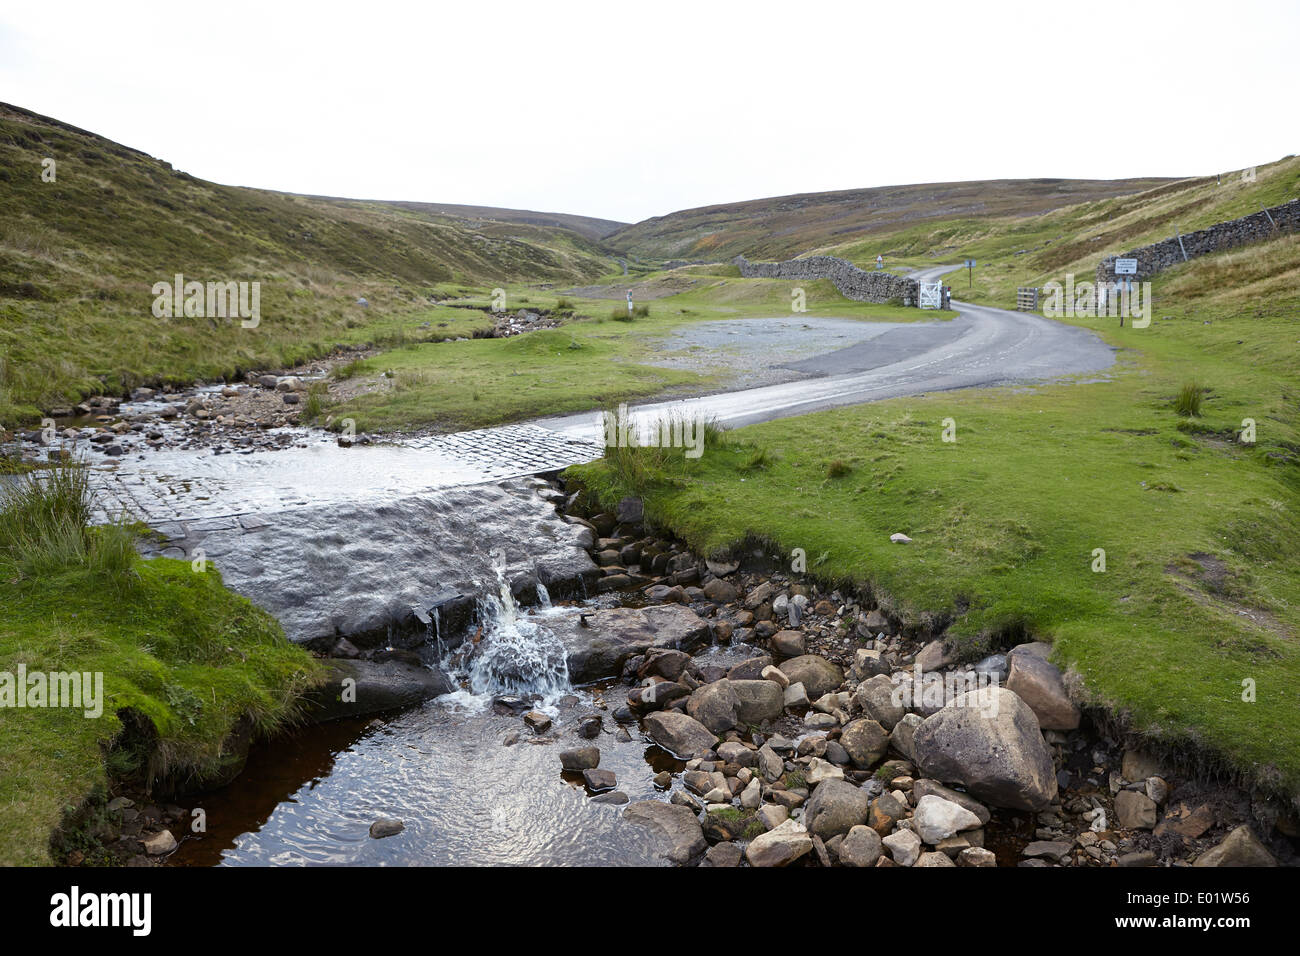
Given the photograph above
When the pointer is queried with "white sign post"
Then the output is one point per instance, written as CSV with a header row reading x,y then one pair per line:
x,y
1126,267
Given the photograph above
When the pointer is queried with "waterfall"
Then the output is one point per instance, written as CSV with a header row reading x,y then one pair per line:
x,y
516,655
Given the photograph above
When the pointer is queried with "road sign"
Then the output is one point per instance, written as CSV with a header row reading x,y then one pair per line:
x,y
1126,267
970,263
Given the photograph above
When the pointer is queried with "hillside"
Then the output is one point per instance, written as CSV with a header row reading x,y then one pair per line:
x,y
1013,251
786,226
487,216
79,254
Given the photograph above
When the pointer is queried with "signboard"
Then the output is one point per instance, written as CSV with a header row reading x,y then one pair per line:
x,y
1126,267
970,263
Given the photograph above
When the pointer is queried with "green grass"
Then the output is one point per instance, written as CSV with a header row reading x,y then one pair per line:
x,y
175,649
1201,588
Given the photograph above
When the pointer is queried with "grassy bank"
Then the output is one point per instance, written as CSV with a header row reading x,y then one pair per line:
x,y
173,646
1201,587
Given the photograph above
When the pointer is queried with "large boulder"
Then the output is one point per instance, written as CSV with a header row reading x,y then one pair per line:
x,y
818,675
759,700
599,648
715,706
677,832
1239,848
989,741
679,733
779,846
836,807
1038,683
354,688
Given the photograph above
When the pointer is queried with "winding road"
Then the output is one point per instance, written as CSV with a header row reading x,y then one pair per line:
x,y
983,346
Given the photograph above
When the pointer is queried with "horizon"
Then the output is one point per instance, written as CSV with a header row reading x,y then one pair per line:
x,y
508,136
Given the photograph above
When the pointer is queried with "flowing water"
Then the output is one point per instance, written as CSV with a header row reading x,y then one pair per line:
x,y
443,769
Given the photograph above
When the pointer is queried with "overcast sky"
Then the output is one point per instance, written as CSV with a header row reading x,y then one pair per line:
x,y
625,111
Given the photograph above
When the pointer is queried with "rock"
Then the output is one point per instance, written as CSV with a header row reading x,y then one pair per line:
x,y
661,694
721,592
776,675
751,669
158,844
934,656
923,788
598,780
861,847
664,662
820,770
935,819
818,675
1134,811
599,650
1157,789
715,706
1047,849
866,742
875,698
679,733
934,859
1039,684
1040,649
904,847
1137,859
675,827
722,854
780,846
580,758
788,644
539,722
616,798
1186,822
772,815
759,701
722,568
995,667
989,741
899,538
903,734
886,810
356,688
1239,848
794,698
976,856
386,827
752,795
836,807
770,765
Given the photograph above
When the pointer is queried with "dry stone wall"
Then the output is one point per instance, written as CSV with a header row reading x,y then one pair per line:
x,y
1222,235
852,282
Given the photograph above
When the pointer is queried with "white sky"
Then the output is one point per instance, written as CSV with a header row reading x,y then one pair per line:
x,y
625,111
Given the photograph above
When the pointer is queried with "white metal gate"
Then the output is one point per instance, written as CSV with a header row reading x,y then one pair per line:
x,y
931,295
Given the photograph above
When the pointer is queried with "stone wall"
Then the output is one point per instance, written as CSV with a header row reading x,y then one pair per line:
x,y
1222,235
853,283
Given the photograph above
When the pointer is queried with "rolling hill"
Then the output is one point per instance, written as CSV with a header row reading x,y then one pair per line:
x,y
786,226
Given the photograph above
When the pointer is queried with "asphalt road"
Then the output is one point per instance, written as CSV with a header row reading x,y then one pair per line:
x,y
983,346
